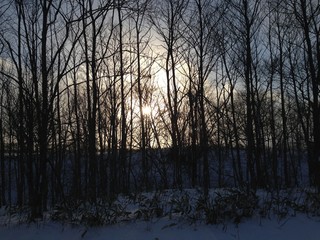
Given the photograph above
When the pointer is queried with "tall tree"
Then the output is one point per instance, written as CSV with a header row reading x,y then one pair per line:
x,y
244,21
168,25
141,41
203,37
307,15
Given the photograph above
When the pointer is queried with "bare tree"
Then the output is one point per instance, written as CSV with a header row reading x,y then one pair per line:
x,y
203,38
168,25
244,22
307,15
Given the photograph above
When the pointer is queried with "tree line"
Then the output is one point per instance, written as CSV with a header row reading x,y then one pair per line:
x,y
105,97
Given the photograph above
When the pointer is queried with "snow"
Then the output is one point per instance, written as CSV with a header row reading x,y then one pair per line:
x,y
283,219
291,228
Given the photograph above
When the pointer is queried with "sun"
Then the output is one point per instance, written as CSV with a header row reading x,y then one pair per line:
x,y
146,110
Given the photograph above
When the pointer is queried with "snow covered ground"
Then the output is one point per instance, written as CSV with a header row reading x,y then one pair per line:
x,y
290,215
291,228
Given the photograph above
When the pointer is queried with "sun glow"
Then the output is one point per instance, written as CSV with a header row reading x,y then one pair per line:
x,y
161,80
146,110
